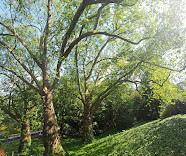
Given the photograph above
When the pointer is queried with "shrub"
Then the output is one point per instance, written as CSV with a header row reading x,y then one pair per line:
x,y
114,116
145,108
176,107
123,117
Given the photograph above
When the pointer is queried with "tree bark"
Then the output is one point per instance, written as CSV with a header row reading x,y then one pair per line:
x,y
2,152
25,139
87,126
51,138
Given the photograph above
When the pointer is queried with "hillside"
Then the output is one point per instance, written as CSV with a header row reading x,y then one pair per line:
x,y
161,137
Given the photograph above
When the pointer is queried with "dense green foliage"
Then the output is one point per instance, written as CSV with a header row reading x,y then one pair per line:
x,y
176,107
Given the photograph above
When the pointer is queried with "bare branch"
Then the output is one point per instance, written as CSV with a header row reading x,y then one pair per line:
x,y
23,43
6,35
71,46
157,65
20,62
78,78
98,16
19,76
95,60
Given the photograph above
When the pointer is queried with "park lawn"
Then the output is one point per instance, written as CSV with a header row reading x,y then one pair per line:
x,y
165,137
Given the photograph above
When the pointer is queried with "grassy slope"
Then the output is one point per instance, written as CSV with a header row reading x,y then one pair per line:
x,y
160,137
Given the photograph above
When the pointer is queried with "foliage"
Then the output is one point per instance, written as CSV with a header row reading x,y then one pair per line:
x,y
174,108
67,106
144,107
116,111
8,126
24,147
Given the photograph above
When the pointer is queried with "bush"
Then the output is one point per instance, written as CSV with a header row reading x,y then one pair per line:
x,y
114,116
123,117
145,108
103,118
177,107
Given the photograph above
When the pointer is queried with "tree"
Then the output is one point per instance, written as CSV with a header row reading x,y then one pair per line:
x,y
98,75
44,36
19,103
96,83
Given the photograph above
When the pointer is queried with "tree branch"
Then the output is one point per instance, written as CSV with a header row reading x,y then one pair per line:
x,y
31,25
84,73
48,28
66,37
73,24
4,109
71,46
98,16
95,60
157,65
109,58
78,78
111,86
19,76
161,85
110,1
23,43
6,35
104,1
21,63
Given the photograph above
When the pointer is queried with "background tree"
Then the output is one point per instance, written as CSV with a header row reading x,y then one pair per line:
x,y
98,75
20,103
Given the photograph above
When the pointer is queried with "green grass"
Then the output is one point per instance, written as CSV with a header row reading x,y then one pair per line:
x,y
158,138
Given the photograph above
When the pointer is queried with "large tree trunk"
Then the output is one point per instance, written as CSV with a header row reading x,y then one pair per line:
x,y
25,139
51,138
87,126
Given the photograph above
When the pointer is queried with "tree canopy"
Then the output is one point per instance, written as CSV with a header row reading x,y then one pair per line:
x,y
118,39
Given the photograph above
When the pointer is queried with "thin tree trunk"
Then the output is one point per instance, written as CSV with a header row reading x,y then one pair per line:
x,y
25,139
87,126
51,138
